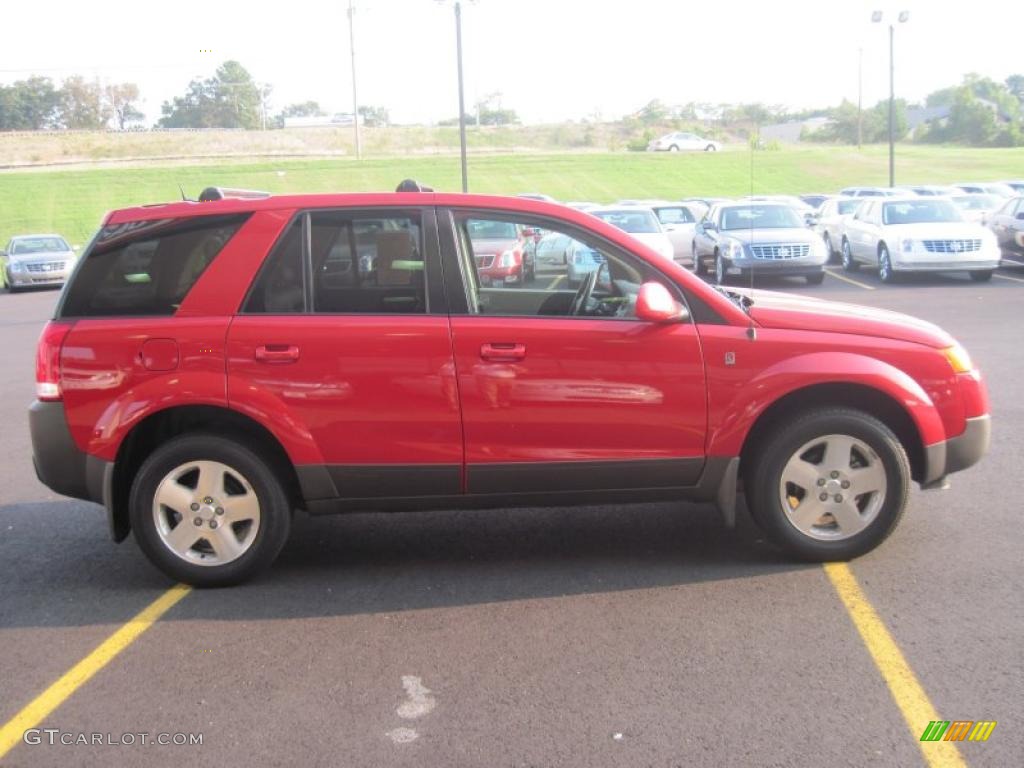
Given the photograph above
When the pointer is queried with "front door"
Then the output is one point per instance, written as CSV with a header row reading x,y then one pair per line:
x,y
343,345
564,392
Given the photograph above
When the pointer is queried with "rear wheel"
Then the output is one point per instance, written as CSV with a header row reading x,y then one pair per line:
x,y
981,275
709,148
721,268
698,262
830,485
208,511
673,148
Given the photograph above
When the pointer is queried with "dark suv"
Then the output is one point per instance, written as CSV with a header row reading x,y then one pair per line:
x,y
213,366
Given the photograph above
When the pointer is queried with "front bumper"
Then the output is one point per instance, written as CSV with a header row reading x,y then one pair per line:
x,y
25,278
957,453
945,266
501,275
777,267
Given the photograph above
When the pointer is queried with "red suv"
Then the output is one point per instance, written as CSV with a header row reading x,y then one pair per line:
x,y
214,366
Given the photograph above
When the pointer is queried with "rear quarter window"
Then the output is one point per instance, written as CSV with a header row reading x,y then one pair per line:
x,y
147,267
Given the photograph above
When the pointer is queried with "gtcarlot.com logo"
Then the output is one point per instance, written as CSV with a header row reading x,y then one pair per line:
x,y
54,736
958,730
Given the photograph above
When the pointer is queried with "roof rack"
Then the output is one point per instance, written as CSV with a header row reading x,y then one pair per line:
x,y
223,193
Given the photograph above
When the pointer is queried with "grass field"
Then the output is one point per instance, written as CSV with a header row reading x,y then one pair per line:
x,y
71,202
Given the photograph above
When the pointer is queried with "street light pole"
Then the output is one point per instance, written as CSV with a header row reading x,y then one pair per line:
x,y
877,17
860,90
462,102
355,100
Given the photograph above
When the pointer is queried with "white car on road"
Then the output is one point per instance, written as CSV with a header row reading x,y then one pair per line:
x,y
917,234
641,223
681,142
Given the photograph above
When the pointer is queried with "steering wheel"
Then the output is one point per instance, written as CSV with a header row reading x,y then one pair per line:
x,y
582,297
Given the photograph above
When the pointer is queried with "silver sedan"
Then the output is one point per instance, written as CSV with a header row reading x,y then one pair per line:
x,y
35,260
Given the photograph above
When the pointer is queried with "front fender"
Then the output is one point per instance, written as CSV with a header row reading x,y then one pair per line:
x,y
791,375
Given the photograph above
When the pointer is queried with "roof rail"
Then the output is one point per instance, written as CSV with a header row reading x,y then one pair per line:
x,y
223,193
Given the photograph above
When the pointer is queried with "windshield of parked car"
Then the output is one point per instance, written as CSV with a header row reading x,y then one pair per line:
x,y
760,217
678,215
920,212
848,206
491,230
30,245
977,202
634,222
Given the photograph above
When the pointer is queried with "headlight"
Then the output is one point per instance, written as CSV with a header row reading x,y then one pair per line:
x,y
907,245
958,359
735,249
16,266
508,259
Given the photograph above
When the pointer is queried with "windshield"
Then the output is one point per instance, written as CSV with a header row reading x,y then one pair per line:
x,y
30,245
760,217
920,212
977,202
634,222
848,206
679,215
491,230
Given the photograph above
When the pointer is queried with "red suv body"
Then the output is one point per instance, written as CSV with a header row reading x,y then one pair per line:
x,y
214,366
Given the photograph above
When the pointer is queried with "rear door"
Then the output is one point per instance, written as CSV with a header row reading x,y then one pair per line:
x,y
344,338
556,401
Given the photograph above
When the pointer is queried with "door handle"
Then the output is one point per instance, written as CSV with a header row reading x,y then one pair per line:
x,y
503,352
277,353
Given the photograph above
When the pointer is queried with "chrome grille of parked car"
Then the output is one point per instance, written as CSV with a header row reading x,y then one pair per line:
x,y
952,246
780,250
485,261
49,266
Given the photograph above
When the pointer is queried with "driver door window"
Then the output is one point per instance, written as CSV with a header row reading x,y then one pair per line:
x,y
567,278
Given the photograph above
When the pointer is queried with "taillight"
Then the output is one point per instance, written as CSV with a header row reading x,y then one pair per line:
x,y
48,360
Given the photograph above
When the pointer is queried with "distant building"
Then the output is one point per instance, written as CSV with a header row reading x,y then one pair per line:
x,y
791,132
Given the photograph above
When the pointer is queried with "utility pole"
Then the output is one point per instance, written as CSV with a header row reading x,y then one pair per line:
x,y
860,90
892,100
355,99
462,100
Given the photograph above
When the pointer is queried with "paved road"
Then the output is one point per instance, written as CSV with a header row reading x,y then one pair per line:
x,y
620,636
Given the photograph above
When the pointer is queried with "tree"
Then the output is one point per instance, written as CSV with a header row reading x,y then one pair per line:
x,y
875,123
82,104
303,109
373,116
1015,85
121,99
29,105
229,99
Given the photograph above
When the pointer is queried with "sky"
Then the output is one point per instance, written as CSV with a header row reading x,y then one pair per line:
x,y
551,60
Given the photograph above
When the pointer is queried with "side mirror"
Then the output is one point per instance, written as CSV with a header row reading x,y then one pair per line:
x,y
1021,215
655,305
710,226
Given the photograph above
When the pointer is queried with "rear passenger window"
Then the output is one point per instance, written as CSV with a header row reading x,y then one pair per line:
x,y
278,289
366,265
146,268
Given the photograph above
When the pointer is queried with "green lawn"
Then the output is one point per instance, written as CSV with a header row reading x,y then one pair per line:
x,y
71,202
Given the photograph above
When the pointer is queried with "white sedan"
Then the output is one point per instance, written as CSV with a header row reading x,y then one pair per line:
x,y
681,141
830,221
917,234
641,223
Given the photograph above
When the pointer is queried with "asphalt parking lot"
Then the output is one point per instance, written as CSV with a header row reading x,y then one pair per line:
x,y
636,636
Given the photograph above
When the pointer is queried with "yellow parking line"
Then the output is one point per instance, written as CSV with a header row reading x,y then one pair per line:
x,y
910,697
46,702
555,282
849,280
1007,277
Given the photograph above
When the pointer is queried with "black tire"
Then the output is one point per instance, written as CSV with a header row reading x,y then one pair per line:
x,y
710,148
721,269
673,148
981,275
762,481
849,264
275,509
816,279
698,262
885,271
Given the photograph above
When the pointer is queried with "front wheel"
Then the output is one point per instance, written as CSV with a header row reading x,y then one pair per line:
x,y
829,485
710,148
208,511
815,279
885,271
721,268
849,265
981,275
698,262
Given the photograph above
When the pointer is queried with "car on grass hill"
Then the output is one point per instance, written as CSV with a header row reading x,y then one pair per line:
x,y
31,261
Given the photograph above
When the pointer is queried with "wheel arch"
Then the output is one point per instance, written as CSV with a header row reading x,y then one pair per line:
x,y
168,423
857,396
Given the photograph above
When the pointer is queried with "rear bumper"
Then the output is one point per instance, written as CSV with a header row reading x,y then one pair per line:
x,y
59,463
957,453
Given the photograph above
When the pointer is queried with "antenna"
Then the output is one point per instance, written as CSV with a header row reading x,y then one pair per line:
x,y
751,329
